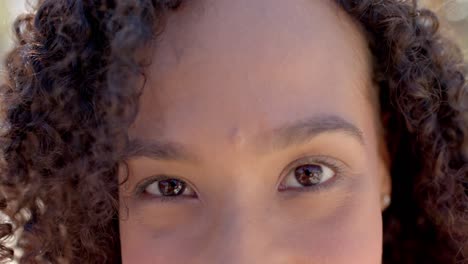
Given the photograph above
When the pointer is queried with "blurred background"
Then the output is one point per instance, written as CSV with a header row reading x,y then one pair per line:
x,y
9,9
454,15
454,19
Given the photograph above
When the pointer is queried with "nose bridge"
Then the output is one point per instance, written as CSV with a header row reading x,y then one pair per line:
x,y
241,235
242,229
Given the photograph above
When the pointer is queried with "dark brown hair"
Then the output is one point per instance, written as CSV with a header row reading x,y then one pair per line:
x,y
69,98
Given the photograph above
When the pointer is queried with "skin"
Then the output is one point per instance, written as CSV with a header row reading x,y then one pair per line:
x,y
229,81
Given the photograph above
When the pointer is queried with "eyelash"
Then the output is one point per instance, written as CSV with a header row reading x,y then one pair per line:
x,y
337,167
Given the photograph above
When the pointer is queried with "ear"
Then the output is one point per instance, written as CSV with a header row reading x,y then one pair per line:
x,y
384,165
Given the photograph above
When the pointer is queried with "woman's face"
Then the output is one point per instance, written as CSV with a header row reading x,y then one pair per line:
x,y
257,140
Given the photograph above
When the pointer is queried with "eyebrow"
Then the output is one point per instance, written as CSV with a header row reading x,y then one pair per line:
x,y
158,150
302,131
283,137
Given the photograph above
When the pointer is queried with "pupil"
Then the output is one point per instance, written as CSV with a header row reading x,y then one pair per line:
x,y
171,187
309,175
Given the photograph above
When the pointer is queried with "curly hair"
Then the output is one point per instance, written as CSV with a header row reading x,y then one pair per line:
x,y
70,97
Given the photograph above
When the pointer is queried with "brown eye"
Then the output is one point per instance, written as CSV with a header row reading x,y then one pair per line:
x,y
169,187
308,175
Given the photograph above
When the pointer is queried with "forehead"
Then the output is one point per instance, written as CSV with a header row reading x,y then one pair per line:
x,y
225,68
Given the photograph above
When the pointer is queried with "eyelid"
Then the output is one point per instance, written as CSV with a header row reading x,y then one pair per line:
x,y
339,168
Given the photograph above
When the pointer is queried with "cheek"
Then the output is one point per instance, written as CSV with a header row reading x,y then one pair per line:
x,y
340,229
151,240
354,235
